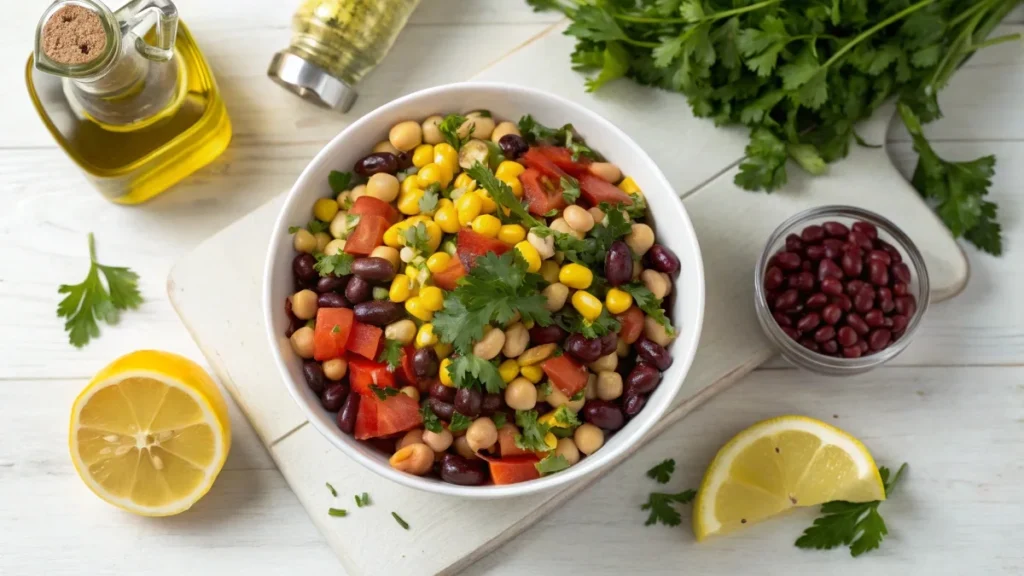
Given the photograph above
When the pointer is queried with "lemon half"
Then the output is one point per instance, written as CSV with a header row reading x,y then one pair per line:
x,y
779,464
150,433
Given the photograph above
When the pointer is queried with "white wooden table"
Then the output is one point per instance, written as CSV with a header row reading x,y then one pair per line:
x,y
952,405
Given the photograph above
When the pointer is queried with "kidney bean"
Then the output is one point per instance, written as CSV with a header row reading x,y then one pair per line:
x,y
404,160
444,410
835,229
663,259
812,234
334,396
843,301
293,325
424,363
879,339
585,350
878,273
455,469
603,414
817,301
881,256
332,300
808,322
654,353
796,310
331,284
609,342
865,299
853,263
547,334
854,286
378,312
787,300
852,352
642,379
618,264
810,344
860,239
781,319
815,252
633,404
358,290
890,249
866,228
874,318
906,305
347,415
302,267
491,404
824,334
831,314
772,278
900,289
513,146
375,163
829,269
899,323
794,243
901,272
314,373
833,248
468,402
831,286
791,332
846,336
373,269
441,392
788,260
853,320
803,281
830,347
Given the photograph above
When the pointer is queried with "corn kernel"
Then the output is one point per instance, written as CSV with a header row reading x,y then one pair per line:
x,y
584,302
465,182
509,169
549,271
425,336
532,373
410,183
442,350
415,307
618,301
411,271
531,256
487,204
550,440
443,374
445,153
435,234
486,225
447,173
468,207
438,261
432,298
429,174
515,185
628,185
409,202
576,276
401,288
512,234
325,209
508,370
447,218
422,155
393,235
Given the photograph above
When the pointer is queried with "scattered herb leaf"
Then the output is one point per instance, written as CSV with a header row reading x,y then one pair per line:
x,y
662,472
331,488
401,522
662,507
383,393
339,181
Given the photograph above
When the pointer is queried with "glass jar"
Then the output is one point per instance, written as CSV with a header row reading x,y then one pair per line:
x,y
334,44
837,365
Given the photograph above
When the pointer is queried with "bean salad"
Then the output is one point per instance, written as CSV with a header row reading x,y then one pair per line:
x,y
482,300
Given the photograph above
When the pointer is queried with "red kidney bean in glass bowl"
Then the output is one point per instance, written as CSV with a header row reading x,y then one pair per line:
x,y
840,290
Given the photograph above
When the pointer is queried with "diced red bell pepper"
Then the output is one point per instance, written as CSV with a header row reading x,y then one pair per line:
x,y
369,234
539,161
507,442
631,324
406,374
447,278
333,326
513,470
472,245
392,415
562,157
568,376
542,195
596,190
370,206
364,340
364,373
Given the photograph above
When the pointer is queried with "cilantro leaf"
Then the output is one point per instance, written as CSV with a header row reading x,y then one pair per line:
x,y
501,192
459,422
614,65
430,420
449,128
662,472
471,371
566,418
765,164
572,322
570,189
417,238
552,463
90,300
645,300
499,419
316,226
428,203
339,181
391,354
662,507
338,265
383,393
532,432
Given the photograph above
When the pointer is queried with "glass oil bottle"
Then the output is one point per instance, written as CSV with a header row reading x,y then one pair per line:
x,y
127,95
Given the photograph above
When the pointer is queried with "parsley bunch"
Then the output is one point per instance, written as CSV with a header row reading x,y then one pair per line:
x,y
800,74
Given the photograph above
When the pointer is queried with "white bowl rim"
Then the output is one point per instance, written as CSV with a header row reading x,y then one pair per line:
x,y
652,411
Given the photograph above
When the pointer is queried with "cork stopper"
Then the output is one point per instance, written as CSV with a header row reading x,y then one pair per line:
x,y
74,35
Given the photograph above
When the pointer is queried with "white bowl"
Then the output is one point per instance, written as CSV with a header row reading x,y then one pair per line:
x,y
506,102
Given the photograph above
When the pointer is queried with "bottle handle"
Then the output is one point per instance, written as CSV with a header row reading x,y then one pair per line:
x,y
139,12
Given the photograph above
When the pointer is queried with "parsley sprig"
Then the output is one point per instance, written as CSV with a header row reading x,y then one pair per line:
x,y
90,300
662,507
662,472
391,354
339,264
651,306
531,431
449,128
469,371
430,420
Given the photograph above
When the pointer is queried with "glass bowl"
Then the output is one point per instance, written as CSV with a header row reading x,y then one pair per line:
x,y
802,354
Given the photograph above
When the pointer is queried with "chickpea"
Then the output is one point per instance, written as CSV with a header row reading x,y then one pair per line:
x,y
411,437
302,342
556,294
386,252
549,271
557,398
481,434
431,131
383,186
462,448
304,241
357,192
637,269
597,214
334,247
537,354
521,394
561,225
322,240
406,135
567,449
517,337
589,438
304,304
411,392
579,219
336,368
403,331
609,385
640,239
606,171
605,363
438,441
491,344
477,125
417,459
545,246
655,283
385,146
621,348
504,129
655,332
590,391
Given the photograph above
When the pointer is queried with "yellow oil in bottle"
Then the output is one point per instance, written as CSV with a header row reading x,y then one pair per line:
x,y
130,162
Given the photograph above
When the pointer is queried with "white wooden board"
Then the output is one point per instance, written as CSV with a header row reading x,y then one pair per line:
x,y
218,299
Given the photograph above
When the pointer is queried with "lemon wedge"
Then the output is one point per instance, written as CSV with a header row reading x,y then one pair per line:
x,y
779,464
150,433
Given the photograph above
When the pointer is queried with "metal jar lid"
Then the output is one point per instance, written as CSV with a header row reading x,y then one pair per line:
x,y
311,82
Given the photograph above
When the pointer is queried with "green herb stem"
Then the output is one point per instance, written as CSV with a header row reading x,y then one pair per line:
x,y
870,31
709,18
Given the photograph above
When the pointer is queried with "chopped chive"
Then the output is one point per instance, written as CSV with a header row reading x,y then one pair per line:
x,y
362,500
331,488
337,512
401,522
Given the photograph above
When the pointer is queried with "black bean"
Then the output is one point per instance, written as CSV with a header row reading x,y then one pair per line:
x,y
424,363
455,469
332,300
314,373
468,402
643,379
331,284
373,269
618,263
347,415
444,410
553,334
378,312
375,163
302,267
654,353
441,392
513,146
603,414
584,349
491,404
358,290
334,396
